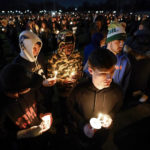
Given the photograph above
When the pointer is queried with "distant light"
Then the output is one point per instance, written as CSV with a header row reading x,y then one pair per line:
x,y
96,12
53,13
76,9
114,12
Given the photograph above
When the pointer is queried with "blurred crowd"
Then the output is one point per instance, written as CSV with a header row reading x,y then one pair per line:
x,y
48,25
60,70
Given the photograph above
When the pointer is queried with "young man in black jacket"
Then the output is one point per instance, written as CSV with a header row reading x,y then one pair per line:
x,y
23,119
31,57
97,95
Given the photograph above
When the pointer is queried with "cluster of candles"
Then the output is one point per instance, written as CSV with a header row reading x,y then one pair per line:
x,y
103,120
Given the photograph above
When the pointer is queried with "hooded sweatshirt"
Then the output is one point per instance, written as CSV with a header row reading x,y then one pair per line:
x,y
65,65
86,101
122,71
27,40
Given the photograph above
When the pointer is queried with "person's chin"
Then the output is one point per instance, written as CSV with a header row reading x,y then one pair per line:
x,y
119,50
106,85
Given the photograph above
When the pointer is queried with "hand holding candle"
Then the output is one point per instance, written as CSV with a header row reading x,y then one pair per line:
x,y
103,120
47,122
42,30
55,75
50,81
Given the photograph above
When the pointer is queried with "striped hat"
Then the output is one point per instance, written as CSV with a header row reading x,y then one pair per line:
x,y
116,31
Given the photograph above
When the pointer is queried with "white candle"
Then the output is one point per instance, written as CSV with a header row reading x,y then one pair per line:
x,y
55,74
95,123
42,30
105,120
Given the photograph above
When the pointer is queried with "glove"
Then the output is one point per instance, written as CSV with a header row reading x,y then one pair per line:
x,y
30,132
88,131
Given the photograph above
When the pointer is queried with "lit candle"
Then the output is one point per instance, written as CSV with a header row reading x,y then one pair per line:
x,y
55,76
46,124
72,74
42,30
95,123
105,120
57,31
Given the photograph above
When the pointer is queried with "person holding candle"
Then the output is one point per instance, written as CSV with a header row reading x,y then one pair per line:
x,y
67,62
23,119
94,96
32,58
115,41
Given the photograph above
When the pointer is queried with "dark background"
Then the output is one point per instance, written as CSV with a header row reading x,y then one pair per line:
x,y
82,5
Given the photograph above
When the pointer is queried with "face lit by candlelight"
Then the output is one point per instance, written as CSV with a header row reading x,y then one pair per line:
x,y
68,48
36,49
102,78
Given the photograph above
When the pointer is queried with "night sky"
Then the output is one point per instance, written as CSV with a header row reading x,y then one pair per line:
x,y
67,3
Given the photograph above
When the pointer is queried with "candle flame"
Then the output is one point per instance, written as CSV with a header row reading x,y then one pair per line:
x,y
42,29
95,123
105,120
72,73
55,72
46,118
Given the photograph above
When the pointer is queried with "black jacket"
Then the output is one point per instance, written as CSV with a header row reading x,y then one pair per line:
x,y
86,101
38,67
21,113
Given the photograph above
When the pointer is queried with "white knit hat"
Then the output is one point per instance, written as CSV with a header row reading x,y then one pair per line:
x,y
116,31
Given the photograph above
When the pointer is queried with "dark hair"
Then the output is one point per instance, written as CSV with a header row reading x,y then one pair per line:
x,y
102,58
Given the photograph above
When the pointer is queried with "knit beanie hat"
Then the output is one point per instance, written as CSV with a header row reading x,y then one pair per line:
x,y
116,31
15,77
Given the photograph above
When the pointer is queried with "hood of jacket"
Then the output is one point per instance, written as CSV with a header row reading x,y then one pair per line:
x,y
27,39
